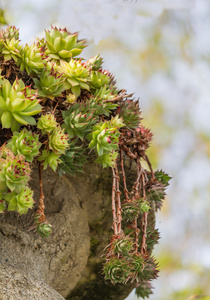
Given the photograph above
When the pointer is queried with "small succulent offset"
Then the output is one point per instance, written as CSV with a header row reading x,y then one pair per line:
x,y
61,44
47,123
25,143
49,158
43,227
17,104
94,63
58,141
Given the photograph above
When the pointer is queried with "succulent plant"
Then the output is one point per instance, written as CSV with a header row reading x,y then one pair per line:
x,y
130,112
94,63
11,49
156,188
78,122
49,158
104,138
25,143
76,75
9,32
32,59
47,123
21,201
117,122
50,84
43,227
150,270
72,161
99,79
17,104
137,264
123,245
107,159
61,44
117,270
14,173
71,98
58,141
106,92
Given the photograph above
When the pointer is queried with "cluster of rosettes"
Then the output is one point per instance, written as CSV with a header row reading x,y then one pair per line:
x,y
14,177
53,106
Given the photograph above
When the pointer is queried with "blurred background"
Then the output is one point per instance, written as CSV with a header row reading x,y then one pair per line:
x,y
160,50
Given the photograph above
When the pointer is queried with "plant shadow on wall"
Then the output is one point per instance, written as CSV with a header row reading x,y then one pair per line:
x,y
53,107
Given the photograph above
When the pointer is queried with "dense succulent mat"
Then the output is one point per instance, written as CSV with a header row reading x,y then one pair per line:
x,y
53,107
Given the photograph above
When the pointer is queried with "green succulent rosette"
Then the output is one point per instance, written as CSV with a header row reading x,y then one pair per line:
x,y
99,79
117,270
106,92
47,123
50,84
11,49
104,138
25,143
73,160
61,44
9,32
17,104
58,141
14,173
107,159
94,63
78,121
21,201
130,112
137,264
43,227
32,59
49,158
132,209
76,75
123,245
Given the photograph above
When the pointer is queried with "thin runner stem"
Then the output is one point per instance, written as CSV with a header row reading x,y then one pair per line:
x,y
113,202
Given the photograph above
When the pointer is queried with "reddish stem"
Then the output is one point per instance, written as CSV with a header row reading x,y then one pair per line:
x,y
150,166
119,209
113,202
144,221
136,235
123,176
40,210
